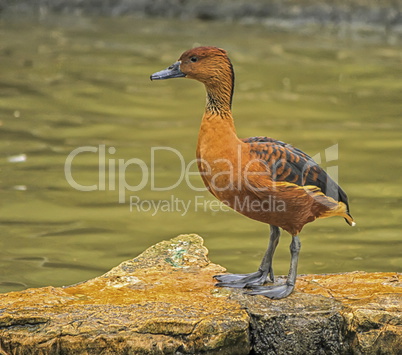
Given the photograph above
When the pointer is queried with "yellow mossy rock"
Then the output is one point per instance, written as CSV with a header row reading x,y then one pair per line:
x,y
164,302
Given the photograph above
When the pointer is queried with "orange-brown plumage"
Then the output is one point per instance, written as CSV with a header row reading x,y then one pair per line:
x,y
260,177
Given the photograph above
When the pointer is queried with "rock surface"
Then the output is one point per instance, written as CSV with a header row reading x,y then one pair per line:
x,y
161,302
164,302
356,313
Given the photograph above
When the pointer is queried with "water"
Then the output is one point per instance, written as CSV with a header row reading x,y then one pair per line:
x,y
71,83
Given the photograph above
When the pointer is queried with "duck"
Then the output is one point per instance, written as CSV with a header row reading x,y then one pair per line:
x,y
260,177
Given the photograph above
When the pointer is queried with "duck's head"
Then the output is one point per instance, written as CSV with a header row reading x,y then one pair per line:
x,y
206,64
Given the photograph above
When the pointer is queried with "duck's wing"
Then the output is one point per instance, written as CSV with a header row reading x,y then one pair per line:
x,y
291,165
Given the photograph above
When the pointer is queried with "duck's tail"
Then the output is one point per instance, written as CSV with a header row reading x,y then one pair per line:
x,y
343,210
349,220
337,208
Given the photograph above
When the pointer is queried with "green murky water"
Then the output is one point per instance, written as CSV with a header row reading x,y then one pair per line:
x,y
84,84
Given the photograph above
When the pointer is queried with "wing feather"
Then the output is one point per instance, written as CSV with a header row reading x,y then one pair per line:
x,y
291,165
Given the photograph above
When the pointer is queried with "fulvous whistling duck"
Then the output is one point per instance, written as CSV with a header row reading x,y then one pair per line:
x,y
249,174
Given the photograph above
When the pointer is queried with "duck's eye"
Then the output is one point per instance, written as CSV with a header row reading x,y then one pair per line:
x,y
193,59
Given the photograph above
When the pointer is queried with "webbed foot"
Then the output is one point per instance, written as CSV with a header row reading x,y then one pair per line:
x,y
275,292
243,280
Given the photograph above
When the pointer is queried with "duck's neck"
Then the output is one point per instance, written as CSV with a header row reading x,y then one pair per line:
x,y
218,117
218,113
219,93
219,101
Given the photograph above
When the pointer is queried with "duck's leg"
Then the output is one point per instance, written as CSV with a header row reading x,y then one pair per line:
x,y
256,278
285,290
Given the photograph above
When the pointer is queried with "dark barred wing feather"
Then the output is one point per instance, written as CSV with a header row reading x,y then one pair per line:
x,y
289,164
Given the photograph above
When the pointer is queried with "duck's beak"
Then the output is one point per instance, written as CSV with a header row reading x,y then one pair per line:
x,y
172,72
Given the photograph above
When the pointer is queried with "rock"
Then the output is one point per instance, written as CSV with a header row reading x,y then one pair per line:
x,y
300,324
357,313
371,308
161,302
164,302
